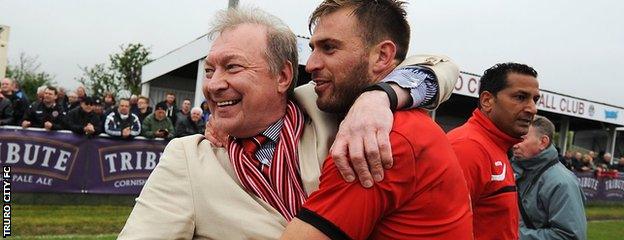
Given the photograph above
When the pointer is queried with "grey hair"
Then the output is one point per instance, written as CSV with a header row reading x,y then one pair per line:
x,y
544,127
197,109
42,88
281,41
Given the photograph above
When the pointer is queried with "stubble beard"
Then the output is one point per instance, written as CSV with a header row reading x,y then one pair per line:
x,y
347,90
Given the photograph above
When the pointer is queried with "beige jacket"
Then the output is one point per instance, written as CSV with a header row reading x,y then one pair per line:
x,y
194,193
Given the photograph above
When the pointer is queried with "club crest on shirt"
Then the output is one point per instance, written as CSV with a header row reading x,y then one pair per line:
x,y
499,177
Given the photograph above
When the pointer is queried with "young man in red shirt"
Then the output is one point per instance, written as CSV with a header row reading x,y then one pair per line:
x,y
507,104
424,196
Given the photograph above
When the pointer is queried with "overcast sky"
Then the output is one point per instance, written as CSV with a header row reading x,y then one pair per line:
x,y
576,46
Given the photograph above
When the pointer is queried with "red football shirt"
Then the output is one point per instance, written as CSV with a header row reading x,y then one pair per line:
x,y
423,196
481,149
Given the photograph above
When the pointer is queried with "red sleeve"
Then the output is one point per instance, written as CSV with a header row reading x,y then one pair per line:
x,y
475,163
347,210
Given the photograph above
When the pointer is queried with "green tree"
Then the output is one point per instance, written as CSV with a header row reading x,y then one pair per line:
x,y
98,80
123,73
26,73
127,65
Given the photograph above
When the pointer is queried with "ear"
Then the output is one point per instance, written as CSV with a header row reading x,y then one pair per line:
x,y
382,56
486,101
544,140
284,77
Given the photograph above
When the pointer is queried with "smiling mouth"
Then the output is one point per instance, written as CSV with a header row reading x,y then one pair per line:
x,y
228,103
320,85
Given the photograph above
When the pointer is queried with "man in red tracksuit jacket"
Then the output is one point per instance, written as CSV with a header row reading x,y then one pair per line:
x,y
508,93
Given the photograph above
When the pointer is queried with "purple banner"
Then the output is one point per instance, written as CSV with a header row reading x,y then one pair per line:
x,y
602,188
60,161
122,166
42,160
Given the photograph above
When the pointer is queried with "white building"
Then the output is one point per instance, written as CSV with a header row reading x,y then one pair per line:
x,y
595,124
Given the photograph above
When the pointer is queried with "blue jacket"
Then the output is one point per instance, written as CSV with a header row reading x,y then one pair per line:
x,y
555,204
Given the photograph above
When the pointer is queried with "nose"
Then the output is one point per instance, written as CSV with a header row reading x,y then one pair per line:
x,y
531,107
314,63
216,83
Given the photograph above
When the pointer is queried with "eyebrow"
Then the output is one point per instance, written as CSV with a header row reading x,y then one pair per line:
x,y
325,40
227,57
526,92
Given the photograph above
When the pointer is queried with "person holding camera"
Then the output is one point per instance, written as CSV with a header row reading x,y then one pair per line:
x,y
157,124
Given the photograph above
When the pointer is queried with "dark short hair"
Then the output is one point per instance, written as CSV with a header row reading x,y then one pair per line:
x,y
53,89
495,78
124,99
544,127
377,20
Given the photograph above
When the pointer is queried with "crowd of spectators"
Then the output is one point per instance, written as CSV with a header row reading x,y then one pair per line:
x,y
124,118
591,161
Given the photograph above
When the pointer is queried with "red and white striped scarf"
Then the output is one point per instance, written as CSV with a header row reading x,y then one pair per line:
x,y
284,190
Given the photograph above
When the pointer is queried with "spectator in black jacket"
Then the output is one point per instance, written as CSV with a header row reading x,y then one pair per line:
x,y
83,120
143,108
185,111
18,104
567,160
6,111
191,124
109,102
46,113
99,111
62,98
72,101
172,108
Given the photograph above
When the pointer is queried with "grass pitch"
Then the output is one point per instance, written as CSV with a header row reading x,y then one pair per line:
x,y
105,221
76,220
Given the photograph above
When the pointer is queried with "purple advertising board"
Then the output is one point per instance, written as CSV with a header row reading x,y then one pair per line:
x,y
43,161
60,161
121,166
604,188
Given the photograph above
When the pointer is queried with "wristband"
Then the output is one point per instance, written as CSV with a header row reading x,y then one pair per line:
x,y
384,86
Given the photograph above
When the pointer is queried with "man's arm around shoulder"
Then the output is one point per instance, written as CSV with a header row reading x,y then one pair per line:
x,y
341,210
